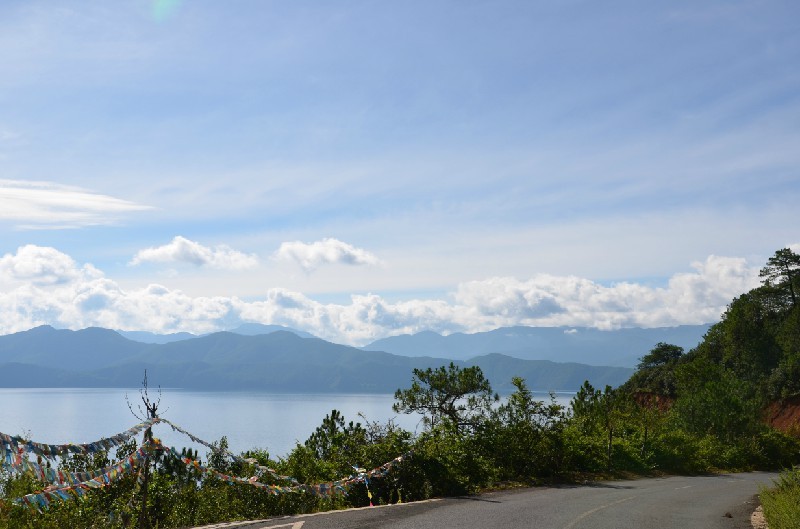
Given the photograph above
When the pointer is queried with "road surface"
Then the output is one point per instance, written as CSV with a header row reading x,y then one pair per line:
x,y
704,502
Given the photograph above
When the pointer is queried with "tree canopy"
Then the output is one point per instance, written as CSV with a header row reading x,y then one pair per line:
x,y
456,396
661,354
783,271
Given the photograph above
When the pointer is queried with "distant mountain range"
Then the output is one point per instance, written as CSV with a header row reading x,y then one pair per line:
x,y
247,329
621,347
262,358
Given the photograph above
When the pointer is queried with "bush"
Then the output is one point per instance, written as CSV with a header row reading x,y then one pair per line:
x,y
449,464
782,502
776,450
678,451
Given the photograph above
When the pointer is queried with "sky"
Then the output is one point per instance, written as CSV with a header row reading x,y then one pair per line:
x,y
361,169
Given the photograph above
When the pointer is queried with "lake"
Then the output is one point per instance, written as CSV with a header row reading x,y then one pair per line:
x,y
271,421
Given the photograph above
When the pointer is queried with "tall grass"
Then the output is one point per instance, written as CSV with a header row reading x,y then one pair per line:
x,y
781,503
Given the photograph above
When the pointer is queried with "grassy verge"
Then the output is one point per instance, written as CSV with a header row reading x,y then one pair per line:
x,y
781,503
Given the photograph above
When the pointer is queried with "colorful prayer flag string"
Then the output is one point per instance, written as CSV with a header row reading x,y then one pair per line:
x,y
233,456
68,485
102,478
14,443
320,489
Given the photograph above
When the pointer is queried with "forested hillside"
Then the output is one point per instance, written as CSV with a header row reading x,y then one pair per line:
x,y
753,351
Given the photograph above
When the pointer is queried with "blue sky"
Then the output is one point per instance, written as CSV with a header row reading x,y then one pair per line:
x,y
359,169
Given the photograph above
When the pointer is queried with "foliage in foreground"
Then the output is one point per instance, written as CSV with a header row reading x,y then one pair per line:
x,y
781,503
521,440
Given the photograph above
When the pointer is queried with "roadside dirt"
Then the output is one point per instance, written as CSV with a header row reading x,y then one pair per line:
x,y
757,519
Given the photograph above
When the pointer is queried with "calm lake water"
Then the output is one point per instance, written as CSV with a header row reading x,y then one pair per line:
x,y
249,419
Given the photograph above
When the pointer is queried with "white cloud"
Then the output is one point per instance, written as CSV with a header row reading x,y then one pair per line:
x,y
547,300
44,285
182,250
49,205
42,266
311,256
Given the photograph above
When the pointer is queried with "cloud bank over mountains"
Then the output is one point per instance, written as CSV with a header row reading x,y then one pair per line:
x,y
41,285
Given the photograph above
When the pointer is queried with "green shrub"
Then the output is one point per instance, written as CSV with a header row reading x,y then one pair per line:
x,y
678,451
781,503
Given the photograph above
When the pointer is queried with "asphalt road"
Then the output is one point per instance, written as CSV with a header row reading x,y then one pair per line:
x,y
704,502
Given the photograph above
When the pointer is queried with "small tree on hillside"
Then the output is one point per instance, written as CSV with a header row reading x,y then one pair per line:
x,y
457,397
333,435
655,373
661,354
783,272
600,410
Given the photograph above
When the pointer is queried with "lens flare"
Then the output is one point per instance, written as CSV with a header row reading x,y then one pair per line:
x,y
164,9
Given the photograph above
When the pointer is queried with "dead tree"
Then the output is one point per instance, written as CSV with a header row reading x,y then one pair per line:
x,y
150,411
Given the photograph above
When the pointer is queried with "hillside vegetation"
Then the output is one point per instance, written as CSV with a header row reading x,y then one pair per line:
x,y
755,347
680,412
